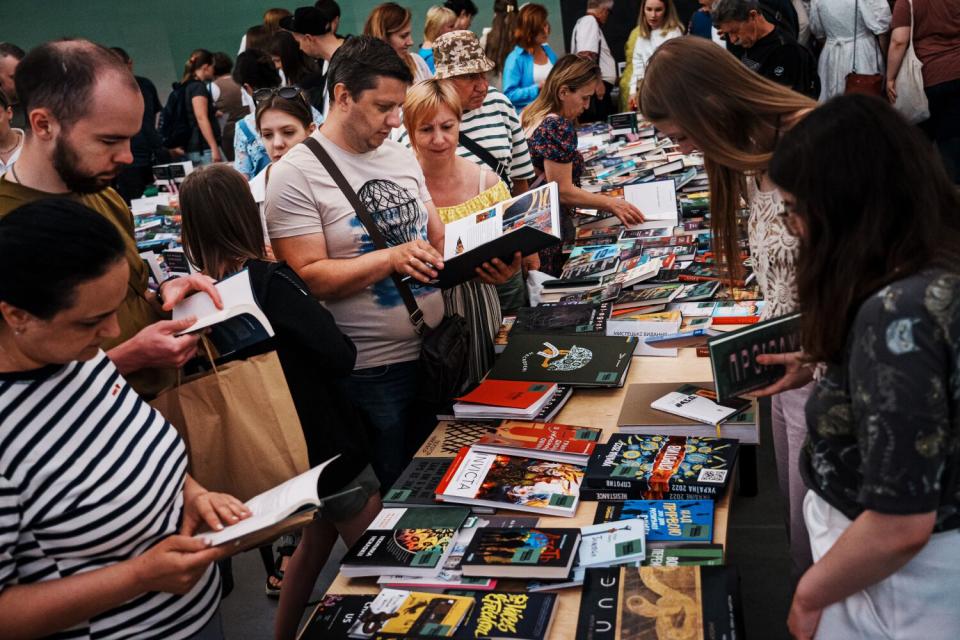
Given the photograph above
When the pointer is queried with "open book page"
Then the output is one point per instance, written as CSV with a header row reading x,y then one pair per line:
x,y
238,299
656,200
273,506
471,231
538,208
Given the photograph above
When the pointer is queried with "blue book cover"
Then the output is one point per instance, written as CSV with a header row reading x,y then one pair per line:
x,y
667,520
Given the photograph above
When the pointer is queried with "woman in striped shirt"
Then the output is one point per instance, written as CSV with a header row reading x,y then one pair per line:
x,y
97,511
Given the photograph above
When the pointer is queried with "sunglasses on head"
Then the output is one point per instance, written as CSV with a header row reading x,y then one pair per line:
x,y
287,93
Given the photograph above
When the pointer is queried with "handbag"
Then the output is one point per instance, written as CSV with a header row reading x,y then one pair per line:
x,y
870,84
911,98
442,367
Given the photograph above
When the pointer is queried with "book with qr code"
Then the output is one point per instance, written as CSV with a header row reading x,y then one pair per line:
x,y
662,467
665,521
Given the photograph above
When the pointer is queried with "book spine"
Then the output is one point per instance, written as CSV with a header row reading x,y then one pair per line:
x,y
452,469
593,494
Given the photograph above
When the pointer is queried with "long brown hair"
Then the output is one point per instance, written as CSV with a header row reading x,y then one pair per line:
x,y
876,206
731,112
500,39
530,24
388,18
272,18
570,71
197,59
221,220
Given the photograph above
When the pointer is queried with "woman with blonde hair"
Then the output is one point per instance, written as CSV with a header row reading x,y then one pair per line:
x,y
549,124
392,23
658,23
439,21
431,116
706,100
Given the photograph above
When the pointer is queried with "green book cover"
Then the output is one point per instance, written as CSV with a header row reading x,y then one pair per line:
x,y
733,355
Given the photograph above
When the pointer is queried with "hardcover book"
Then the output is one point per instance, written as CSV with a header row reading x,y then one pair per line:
x,y
660,603
671,521
733,355
537,553
500,615
663,467
512,482
684,555
415,486
567,318
546,441
582,360
647,295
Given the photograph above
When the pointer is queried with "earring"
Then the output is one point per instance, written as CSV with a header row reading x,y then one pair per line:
x,y
18,331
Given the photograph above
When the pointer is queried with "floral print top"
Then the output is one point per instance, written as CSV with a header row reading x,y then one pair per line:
x,y
884,427
555,139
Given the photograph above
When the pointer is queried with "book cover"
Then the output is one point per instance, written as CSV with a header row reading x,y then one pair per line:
x,y
512,482
415,486
412,614
581,360
405,541
451,436
510,616
684,555
699,404
664,520
533,553
538,439
334,616
660,603
567,318
592,296
660,465
503,334
738,312
608,543
644,296
508,393
555,404
733,355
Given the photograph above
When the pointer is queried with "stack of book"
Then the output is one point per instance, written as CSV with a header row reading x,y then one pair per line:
x,y
505,399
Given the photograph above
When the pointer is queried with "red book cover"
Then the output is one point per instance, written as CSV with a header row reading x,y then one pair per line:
x,y
543,436
508,393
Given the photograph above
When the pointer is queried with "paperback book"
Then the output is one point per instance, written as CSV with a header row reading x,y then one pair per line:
x,y
699,404
500,615
682,555
539,553
665,521
415,486
581,360
546,441
567,318
412,614
610,543
498,399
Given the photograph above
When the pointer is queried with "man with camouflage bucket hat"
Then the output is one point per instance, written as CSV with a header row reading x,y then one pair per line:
x,y
490,131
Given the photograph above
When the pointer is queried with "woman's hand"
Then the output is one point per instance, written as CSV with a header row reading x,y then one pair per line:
x,y
798,373
633,103
626,212
803,620
215,155
892,91
215,510
417,259
173,291
175,564
531,263
497,271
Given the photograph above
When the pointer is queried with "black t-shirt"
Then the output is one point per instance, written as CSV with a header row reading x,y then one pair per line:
x,y
883,425
148,141
195,89
779,57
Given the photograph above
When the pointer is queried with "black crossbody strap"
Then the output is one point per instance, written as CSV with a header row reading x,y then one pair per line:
x,y
486,157
409,301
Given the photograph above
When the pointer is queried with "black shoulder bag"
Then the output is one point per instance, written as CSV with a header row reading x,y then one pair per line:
x,y
444,349
495,165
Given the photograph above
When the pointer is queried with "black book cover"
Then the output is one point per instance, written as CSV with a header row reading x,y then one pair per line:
x,y
578,360
334,615
526,240
499,614
417,485
410,538
733,355
660,603
536,547
567,318
661,466
589,494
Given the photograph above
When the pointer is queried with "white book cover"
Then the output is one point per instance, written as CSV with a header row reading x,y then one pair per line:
x,y
693,407
611,543
656,200
238,299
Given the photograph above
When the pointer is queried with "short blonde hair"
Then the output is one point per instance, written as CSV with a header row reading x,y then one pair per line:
x,y
437,17
424,100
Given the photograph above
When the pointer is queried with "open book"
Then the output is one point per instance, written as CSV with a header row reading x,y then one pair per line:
x,y
656,200
239,324
528,223
286,507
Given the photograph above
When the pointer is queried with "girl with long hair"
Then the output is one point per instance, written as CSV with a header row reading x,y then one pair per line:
x,y
878,279
658,23
392,23
549,124
706,100
528,65
498,40
203,146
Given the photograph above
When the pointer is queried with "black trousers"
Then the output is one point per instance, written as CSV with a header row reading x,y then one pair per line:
x,y
943,127
600,108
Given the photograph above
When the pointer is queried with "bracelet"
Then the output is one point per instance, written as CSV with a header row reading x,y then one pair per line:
x,y
165,281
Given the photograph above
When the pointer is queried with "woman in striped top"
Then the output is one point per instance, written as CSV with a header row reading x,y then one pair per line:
x,y
97,511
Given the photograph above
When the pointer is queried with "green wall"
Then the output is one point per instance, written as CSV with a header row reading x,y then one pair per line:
x,y
160,35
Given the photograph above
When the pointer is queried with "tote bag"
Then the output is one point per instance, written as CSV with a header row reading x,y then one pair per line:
x,y
911,98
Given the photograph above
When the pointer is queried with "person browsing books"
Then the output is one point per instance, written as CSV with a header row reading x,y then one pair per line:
x,y
97,510
881,459
222,235
735,122
315,229
431,113
658,23
548,123
527,66
84,106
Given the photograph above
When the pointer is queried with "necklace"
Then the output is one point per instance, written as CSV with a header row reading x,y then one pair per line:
x,y
17,135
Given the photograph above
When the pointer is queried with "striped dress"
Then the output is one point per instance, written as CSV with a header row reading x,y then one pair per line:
x,y
90,475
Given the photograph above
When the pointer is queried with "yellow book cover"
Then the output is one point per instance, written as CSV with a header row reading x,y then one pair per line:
x,y
430,614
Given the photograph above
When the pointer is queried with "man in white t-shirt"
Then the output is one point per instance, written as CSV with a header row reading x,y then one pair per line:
x,y
315,230
588,40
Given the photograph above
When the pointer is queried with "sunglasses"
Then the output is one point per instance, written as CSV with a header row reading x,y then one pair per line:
x,y
287,93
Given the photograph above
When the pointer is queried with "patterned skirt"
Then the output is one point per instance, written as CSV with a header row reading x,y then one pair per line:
x,y
479,305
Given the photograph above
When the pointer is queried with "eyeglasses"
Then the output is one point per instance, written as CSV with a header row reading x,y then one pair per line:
x,y
287,93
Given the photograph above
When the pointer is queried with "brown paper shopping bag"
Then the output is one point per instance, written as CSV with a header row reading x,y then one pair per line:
x,y
240,425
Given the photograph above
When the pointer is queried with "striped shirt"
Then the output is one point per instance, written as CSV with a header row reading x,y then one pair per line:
x,y
494,125
90,475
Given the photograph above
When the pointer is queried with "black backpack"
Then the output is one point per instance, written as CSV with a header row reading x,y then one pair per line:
x,y
175,126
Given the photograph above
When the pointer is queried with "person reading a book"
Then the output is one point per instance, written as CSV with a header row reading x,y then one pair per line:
x,y
84,106
548,123
97,510
736,121
878,278
315,229
431,113
222,235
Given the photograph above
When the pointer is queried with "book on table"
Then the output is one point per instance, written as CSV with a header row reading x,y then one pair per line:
x,y
645,325
504,399
647,295
733,355
416,484
638,417
512,482
536,553
682,555
402,613
657,201
699,404
665,521
665,603
545,441
663,467
610,543
405,541
527,223
567,318
239,324
577,360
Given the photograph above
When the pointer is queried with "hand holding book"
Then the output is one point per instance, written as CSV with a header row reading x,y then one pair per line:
x,y
798,373
416,259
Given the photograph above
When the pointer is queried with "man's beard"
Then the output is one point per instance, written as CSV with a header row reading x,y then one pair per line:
x,y
66,161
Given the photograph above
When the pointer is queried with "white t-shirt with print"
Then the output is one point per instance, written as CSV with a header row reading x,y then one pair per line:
x,y
302,198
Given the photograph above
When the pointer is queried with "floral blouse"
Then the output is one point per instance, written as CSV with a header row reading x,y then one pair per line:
x,y
884,426
555,139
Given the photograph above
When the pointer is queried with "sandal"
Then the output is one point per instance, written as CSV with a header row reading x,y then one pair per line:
x,y
287,545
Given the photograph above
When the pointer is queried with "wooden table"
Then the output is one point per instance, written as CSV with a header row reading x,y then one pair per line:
x,y
595,408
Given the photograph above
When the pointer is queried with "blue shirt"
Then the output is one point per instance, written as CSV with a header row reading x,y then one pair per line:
x,y
427,55
518,84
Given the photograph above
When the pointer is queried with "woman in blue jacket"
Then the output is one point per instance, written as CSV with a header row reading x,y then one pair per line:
x,y
527,66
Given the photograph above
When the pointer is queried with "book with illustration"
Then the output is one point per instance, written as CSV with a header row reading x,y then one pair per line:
x,y
586,360
534,553
547,441
416,484
605,544
665,521
412,614
567,318
501,615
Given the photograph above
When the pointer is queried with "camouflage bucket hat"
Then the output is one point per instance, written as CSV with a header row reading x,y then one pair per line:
x,y
459,53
